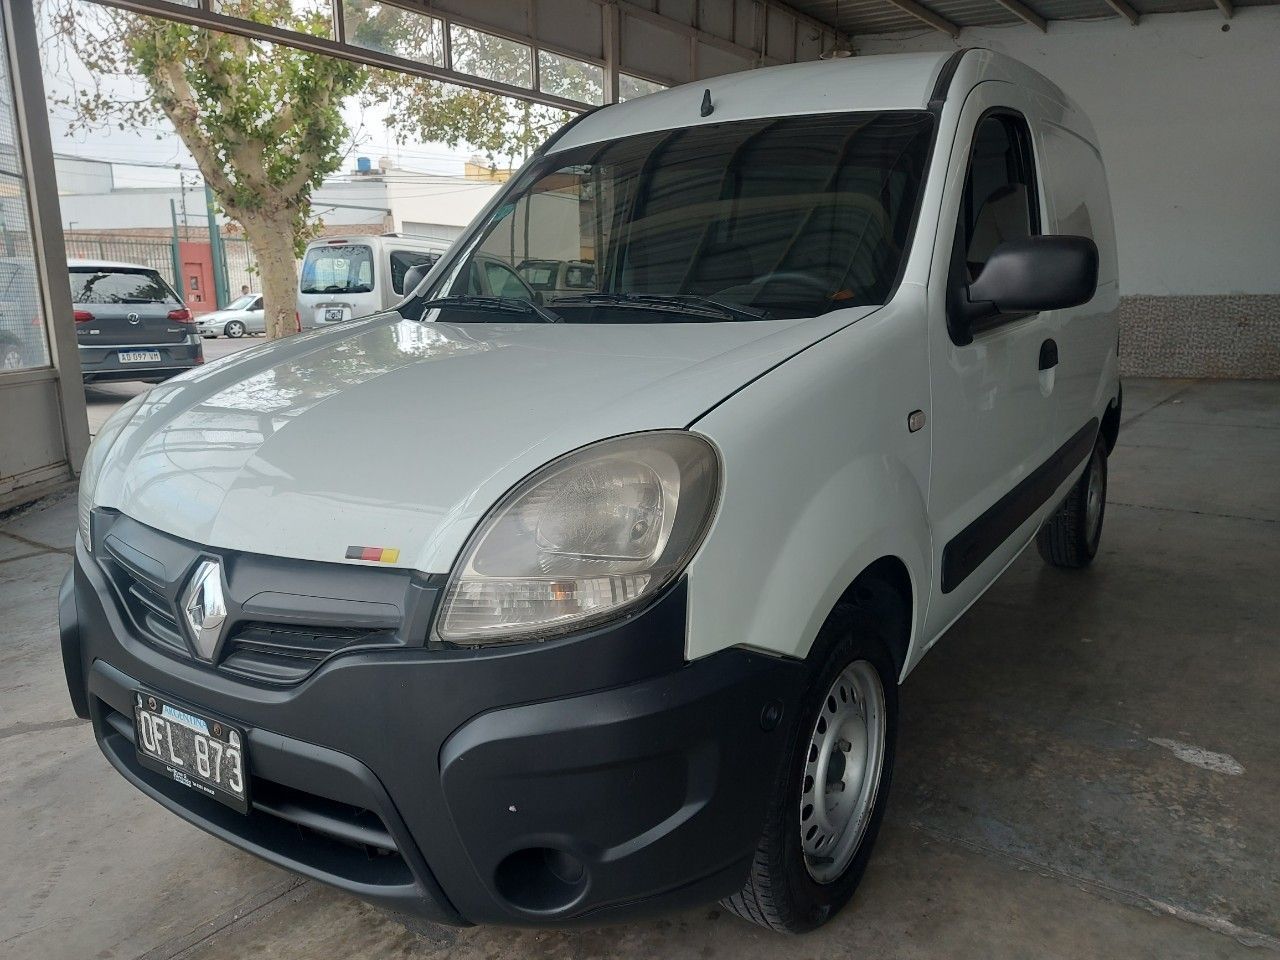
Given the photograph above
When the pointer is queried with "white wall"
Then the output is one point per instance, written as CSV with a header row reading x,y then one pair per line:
x,y
1189,121
412,198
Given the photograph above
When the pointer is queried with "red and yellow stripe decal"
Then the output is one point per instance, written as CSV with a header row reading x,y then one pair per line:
x,y
374,554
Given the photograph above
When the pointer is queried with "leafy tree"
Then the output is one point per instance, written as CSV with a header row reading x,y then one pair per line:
x,y
264,121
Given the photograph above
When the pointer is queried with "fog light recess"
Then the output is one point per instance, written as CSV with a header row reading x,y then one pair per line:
x,y
541,879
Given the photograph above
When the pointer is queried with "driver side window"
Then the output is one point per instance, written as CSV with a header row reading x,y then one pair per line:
x,y
999,201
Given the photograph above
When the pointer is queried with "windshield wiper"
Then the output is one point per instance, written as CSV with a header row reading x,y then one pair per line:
x,y
527,307
687,303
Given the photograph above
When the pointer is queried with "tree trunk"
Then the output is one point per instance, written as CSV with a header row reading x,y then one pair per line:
x,y
272,242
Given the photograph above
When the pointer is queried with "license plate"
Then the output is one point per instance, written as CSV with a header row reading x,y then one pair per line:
x,y
333,316
197,751
139,356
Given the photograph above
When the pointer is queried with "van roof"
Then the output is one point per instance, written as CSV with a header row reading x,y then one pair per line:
x,y
74,264
436,243
887,82
899,81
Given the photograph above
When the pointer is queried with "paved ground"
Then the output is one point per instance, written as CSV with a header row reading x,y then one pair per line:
x,y
1090,764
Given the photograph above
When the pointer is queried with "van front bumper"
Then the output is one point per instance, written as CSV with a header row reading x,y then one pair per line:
x,y
586,779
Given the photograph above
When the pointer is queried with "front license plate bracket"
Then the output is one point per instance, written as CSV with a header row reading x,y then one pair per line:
x,y
203,753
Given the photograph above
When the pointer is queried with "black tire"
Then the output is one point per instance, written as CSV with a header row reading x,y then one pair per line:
x,y
780,893
235,329
1071,536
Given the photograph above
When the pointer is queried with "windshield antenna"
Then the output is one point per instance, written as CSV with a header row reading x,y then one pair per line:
x,y
707,108
837,52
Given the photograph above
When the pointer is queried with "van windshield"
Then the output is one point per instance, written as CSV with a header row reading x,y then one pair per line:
x,y
775,217
337,268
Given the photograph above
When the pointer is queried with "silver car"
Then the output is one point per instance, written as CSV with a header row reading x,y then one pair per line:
x,y
241,317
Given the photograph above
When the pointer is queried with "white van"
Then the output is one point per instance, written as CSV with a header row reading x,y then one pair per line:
x,y
347,277
538,609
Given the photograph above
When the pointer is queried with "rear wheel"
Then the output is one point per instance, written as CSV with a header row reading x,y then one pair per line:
x,y
827,808
1070,537
235,329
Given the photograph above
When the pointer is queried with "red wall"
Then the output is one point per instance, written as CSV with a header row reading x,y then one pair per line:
x,y
197,276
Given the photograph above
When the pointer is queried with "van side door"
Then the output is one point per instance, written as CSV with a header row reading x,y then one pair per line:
x,y
1079,205
992,416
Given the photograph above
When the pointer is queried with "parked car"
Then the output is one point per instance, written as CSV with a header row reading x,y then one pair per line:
x,y
347,277
496,611
22,337
130,324
241,317
552,277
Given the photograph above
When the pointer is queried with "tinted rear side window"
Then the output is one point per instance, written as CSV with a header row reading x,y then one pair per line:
x,y
402,260
119,286
1000,190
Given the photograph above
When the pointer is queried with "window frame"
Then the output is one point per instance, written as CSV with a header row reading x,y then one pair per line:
x,y
544,161
397,282
957,276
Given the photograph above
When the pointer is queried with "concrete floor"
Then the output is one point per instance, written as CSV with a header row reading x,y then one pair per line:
x,y
1089,763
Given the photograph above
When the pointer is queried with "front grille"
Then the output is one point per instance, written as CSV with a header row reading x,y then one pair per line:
x,y
282,653
144,599
284,617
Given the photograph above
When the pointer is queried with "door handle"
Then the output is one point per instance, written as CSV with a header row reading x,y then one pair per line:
x,y
1048,355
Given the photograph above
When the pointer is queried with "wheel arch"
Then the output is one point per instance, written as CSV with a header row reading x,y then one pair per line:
x,y
887,578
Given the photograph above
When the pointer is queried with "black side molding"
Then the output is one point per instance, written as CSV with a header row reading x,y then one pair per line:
x,y
972,545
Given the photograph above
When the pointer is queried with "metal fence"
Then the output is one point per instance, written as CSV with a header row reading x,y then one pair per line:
x,y
158,253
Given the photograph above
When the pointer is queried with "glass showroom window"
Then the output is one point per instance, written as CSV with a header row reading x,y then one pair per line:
x,y
23,341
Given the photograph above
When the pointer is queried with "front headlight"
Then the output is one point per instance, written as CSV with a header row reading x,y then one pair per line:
x,y
94,460
583,539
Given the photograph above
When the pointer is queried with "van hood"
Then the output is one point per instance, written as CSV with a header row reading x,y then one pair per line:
x,y
401,434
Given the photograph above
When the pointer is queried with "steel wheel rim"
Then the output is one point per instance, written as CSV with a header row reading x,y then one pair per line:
x,y
842,768
1093,498
235,329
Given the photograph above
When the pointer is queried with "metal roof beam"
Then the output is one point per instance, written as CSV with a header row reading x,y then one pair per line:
x,y
1025,13
212,20
1126,11
932,19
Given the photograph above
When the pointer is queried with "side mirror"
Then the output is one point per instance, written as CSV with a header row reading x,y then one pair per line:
x,y
413,276
1026,276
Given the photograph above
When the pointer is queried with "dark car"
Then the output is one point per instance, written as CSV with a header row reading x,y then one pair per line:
x,y
130,324
22,342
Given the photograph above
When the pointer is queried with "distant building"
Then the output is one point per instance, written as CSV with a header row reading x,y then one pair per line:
x,y
366,198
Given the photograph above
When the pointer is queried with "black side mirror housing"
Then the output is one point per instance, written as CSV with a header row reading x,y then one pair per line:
x,y
413,276
1022,277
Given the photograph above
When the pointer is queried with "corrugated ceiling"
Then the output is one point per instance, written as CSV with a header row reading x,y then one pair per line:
x,y
863,17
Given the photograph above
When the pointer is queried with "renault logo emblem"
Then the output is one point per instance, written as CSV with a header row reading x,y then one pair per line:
x,y
205,608
134,317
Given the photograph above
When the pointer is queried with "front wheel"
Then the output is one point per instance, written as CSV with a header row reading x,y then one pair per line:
x,y
1070,537
235,329
826,811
